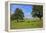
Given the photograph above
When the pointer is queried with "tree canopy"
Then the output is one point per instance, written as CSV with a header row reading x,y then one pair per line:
x,y
37,11
18,14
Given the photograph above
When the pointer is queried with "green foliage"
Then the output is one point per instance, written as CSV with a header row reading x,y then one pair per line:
x,y
18,15
37,11
26,24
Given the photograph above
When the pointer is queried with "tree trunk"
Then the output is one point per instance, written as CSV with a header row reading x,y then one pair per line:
x,y
40,18
17,20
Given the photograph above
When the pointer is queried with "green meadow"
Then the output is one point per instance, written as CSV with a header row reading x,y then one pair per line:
x,y
27,23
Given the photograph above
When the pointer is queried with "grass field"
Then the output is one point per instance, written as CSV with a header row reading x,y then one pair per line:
x,y
26,24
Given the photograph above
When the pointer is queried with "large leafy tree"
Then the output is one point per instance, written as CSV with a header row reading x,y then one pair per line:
x,y
18,15
37,11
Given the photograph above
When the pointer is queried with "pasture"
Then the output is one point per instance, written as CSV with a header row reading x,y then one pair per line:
x,y
27,23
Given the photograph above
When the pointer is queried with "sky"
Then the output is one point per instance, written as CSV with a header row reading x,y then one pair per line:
x,y
27,9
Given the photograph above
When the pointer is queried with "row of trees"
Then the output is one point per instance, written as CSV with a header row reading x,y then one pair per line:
x,y
37,11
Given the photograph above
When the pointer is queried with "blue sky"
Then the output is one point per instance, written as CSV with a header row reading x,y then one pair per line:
x,y
27,9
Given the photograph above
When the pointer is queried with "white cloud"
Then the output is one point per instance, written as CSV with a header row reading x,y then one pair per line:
x,y
28,16
12,12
